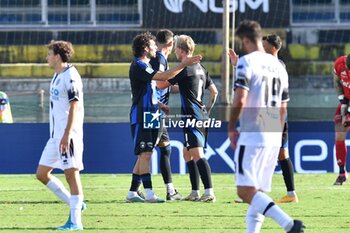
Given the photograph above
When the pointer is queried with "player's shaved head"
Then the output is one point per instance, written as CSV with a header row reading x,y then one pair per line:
x,y
164,36
249,29
348,62
63,48
141,42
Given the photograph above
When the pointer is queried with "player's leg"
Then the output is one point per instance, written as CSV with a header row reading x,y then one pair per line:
x,y
50,159
76,199
255,168
146,142
197,154
194,176
196,141
165,167
287,169
145,171
72,164
340,147
134,194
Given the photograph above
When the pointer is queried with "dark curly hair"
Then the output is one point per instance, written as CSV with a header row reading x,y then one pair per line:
x,y
141,42
63,48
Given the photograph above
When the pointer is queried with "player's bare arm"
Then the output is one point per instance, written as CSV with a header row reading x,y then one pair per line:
x,y
165,108
212,99
163,84
162,76
74,105
238,104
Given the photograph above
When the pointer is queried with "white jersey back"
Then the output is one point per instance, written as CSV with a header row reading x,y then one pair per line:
x,y
66,87
266,80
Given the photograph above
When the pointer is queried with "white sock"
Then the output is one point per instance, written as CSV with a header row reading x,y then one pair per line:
x,y
76,202
132,194
195,192
170,188
209,191
254,220
291,194
263,204
57,187
149,193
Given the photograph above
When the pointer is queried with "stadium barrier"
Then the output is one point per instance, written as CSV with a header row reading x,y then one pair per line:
x,y
109,149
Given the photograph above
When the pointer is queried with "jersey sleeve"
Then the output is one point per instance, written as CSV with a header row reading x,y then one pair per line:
x,y
74,87
243,74
208,80
143,72
155,63
285,86
178,77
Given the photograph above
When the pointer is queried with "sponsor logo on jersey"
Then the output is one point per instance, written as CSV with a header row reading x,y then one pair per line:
x,y
54,93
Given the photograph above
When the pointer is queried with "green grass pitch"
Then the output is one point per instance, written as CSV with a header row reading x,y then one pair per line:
x,y
27,206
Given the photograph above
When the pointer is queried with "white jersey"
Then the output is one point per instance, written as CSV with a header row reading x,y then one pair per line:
x,y
266,80
66,87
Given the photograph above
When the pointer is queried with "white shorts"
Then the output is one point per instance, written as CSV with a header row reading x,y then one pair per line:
x,y
51,156
255,166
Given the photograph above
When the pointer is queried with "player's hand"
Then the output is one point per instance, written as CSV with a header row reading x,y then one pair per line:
x,y
64,143
233,57
192,60
233,136
164,108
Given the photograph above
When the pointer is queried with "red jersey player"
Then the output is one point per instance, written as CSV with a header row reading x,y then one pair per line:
x,y
342,118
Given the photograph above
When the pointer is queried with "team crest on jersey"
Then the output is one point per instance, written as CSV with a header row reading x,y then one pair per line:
x,y
142,145
149,70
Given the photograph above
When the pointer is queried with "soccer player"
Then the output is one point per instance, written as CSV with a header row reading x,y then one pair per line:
x,y
64,149
144,99
272,44
192,81
261,88
341,118
5,109
165,42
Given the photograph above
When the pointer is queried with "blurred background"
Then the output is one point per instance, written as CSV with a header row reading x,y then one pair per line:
x,y
314,33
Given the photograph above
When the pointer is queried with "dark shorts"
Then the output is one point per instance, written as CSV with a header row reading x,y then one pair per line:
x,y
144,139
285,136
195,137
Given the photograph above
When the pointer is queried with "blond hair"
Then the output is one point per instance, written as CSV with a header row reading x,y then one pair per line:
x,y
185,43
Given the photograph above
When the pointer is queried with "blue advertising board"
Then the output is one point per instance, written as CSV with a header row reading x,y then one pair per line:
x,y
108,148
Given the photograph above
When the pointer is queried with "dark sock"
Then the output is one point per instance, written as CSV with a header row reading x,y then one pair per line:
x,y
135,182
288,173
341,169
146,180
165,164
205,172
194,174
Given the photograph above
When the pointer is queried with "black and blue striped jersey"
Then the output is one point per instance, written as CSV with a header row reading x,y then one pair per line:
x,y
160,63
143,90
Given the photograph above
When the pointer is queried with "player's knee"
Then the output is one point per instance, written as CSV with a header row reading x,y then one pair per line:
x,y
246,193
